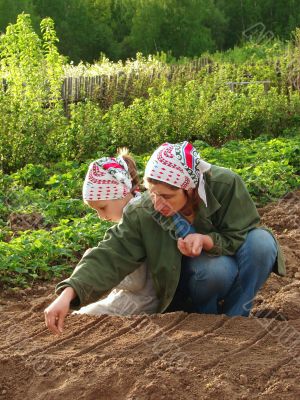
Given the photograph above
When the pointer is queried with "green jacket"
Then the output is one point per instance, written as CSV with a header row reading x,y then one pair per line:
x,y
144,234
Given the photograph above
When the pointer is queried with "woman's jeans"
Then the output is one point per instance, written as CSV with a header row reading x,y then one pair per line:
x,y
227,284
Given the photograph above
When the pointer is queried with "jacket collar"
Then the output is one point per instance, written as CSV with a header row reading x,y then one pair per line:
x,y
212,204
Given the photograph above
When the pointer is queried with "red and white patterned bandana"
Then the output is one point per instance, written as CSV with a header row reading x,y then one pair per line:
x,y
107,179
179,165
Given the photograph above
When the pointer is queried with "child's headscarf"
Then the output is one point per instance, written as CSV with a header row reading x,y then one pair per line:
x,y
107,179
179,165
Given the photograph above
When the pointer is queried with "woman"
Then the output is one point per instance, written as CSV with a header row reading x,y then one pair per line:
x,y
197,227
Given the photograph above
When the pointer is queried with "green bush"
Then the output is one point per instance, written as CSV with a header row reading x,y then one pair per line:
x,y
34,175
86,132
31,110
206,110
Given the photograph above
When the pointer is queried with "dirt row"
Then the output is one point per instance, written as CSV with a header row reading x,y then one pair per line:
x,y
168,356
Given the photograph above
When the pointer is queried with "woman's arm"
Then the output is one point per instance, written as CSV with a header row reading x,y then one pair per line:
x,y
235,218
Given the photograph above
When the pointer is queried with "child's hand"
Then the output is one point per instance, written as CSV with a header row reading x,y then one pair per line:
x,y
56,312
193,244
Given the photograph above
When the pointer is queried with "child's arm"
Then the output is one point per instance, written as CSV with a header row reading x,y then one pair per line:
x,y
105,266
56,312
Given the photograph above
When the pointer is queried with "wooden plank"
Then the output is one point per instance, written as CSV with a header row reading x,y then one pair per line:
x,y
70,82
63,90
86,87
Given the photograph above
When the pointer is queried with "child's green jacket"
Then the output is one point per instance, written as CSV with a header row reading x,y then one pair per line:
x,y
144,234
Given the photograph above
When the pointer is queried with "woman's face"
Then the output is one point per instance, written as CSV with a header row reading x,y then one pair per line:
x,y
109,210
165,200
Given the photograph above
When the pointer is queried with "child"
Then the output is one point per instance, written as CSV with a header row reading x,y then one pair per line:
x,y
109,186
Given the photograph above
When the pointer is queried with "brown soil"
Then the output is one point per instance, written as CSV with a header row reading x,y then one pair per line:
x,y
170,356
22,222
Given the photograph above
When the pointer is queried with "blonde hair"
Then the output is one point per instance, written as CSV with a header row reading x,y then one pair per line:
x,y
124,152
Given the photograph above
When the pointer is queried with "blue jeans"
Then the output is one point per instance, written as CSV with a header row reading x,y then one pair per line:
x,y
233,281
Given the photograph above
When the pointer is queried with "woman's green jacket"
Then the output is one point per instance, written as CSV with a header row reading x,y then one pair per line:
x,y
144,234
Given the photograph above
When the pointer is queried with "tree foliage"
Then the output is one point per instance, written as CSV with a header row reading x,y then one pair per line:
x,y
121,28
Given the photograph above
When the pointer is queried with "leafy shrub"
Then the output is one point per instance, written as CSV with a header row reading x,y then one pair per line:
x,y
86,134
30,107
34,175
206,110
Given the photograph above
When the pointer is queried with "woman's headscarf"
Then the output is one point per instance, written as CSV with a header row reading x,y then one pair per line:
x,y
179,165
107,179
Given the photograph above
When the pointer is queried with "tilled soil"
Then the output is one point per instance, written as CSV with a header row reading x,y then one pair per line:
x,y
168,356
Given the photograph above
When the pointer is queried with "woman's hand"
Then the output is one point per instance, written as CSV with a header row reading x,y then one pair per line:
x,y
56,312
193,244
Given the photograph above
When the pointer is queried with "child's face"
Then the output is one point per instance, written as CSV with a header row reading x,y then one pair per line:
x,y
109,210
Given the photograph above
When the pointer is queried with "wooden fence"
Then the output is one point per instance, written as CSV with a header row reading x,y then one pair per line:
x,y
123,86
109,89
234,85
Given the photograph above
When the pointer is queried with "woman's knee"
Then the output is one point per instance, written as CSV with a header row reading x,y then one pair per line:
x,y
214,273
261,244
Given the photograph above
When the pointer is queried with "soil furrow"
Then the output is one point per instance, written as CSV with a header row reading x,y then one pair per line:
x,y
31,336
208,332
108,340
54,344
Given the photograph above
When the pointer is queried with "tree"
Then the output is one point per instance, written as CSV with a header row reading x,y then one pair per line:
x,y
258,19
9,12
184,27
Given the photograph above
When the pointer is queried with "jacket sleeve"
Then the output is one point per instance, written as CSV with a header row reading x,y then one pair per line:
x,y
103,267
235,218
